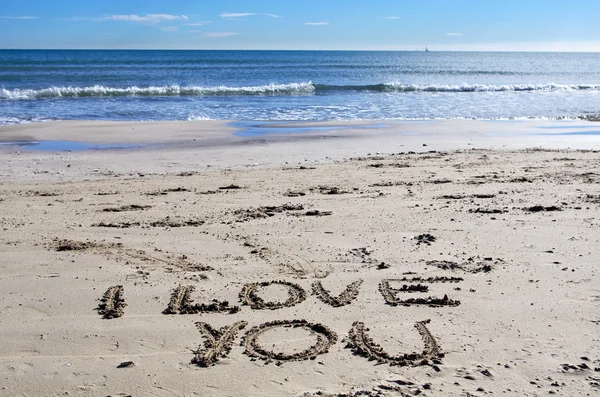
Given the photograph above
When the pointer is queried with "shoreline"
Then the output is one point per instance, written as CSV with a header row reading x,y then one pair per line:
x,y
173,132
173,147
201,145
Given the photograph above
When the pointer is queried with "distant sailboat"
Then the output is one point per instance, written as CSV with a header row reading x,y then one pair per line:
x,y
426,49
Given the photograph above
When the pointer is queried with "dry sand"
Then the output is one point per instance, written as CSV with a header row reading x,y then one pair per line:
x,y
467,268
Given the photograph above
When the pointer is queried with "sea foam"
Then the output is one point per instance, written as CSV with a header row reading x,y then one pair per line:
x,y
274,89
172,90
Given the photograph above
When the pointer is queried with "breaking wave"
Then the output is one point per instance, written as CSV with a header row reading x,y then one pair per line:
x,y
306,88
399,87
155,91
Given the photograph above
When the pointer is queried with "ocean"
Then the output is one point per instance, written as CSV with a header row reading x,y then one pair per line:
x,y
44,85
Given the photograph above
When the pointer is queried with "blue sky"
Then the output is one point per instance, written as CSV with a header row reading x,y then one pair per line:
x,y
511,25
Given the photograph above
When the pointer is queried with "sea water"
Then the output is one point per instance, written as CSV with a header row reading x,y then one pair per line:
x,y
41,85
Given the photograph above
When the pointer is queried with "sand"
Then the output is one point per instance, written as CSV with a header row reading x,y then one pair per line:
x,y
348,261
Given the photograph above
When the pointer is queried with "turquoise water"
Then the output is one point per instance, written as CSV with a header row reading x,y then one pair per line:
x,y
253,129
72,146
39,85
586,132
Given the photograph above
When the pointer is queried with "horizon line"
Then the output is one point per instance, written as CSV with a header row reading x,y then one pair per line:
x,y
291,49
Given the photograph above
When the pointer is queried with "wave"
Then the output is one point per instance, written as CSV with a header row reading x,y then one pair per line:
x,y
155,91
6,121
276,89
10,120
399,87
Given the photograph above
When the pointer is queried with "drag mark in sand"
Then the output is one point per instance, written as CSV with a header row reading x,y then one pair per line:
x,y
244,215
325,339
125,208
362,345
249,295
469,266
217,343
112,303
390,295
118,251
345,298
167,222
182,303
167,191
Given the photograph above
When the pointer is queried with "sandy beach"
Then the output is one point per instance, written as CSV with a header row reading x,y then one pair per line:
x,y
450,258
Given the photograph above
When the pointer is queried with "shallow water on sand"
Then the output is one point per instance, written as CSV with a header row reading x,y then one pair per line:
x,y
59,145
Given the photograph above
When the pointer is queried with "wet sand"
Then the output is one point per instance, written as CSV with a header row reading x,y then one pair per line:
x,y
165,147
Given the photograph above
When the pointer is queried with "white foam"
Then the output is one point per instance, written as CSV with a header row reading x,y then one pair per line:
x,y
399,87
15,120
193,117
172,90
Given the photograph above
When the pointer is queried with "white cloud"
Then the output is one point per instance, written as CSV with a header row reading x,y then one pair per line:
x,y
22,18
392,17
230,15
236,15
169,29
149,18
197,23
316,23
79,19
454,34
220,34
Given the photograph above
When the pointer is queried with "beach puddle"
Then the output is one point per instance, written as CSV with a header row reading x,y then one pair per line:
x,y
419,121
567,124
580,133
574,133
254,129
503,121
571,127
70,146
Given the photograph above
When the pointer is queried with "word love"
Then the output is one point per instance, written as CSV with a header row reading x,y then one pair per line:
x,y
112,304
218,343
